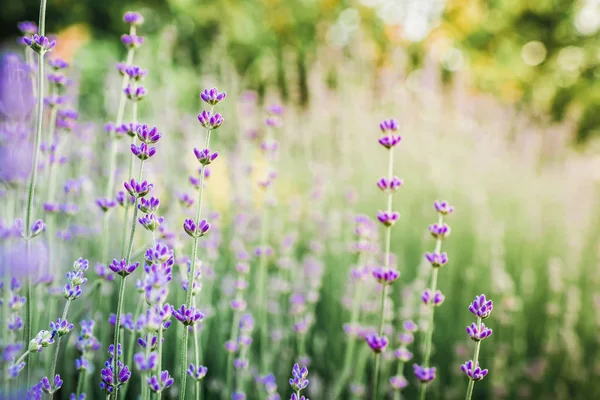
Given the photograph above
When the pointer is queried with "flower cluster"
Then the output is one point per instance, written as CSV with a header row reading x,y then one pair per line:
x,y
75,279
403,355
110,380
299,380
481,308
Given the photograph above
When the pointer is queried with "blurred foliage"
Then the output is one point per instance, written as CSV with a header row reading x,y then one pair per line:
x,y
540,54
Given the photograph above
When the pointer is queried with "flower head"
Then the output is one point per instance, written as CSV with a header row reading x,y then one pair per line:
x,y
437,298
132,41
398,382
39,44
196,231
187,316
60,328
437,260
205,156
57,63
299,380
478,333
161,382
388,185
135,73
385,276
105,204
49,387
209,120
481,307
42,339
473,371
424,374
388,218
147,135
122,268
389,141
197,373
143,152
28,28
133,18
137,189
212,96
377,343
443,207
439,231
135,93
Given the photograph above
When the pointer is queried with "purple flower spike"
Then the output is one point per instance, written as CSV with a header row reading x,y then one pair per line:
x,y
197,373
478,333
439,231
474,372
124,200
148,205
147,135
205,157
481,307
212,96
39,44
60,328
134,72
390,185
437,260
129,129
185,200
50,388
138,189
377,343
133,18
151,222
135,93
389,141
121,267
299,380
388,125
187,316
105,204
424,374
196,231
143,152
443,207
132,41
42,339
388,218
210,121
28,28
385,276
398,382
158,384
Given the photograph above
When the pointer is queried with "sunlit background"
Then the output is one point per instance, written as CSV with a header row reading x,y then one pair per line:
x,y
499,110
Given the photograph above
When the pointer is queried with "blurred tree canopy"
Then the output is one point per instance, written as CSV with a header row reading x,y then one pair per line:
x,y
540,54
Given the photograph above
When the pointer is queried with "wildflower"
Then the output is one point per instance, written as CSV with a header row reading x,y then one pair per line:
x,y
478,333
135,93
185,200
212,96
158,384
424,374
377,343
437,260
410,326
138,189
187,316
49,388
60,328
37,228
299,379
147,135
122,268
135,73
151,222
196,231
387,185
14,369
403,354
197,373
388,218
480,307
439,231
443,207
437,298
27,27
389,141
39,44
473,371
389,125
125,200
133,18
143,152
42,339
132,41
129,129
57,63
205,157
209,120
144,363
385,276
105,204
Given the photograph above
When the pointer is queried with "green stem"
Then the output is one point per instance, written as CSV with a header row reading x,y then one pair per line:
x,y
131,343
80,383
191,277
57,347
475,361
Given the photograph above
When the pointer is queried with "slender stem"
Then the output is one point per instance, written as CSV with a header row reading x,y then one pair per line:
x,y
475,361
160,347
80,383
57,346
191,277
130,344
196,353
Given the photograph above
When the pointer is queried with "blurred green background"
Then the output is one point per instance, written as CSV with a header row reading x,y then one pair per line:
x,y
539,55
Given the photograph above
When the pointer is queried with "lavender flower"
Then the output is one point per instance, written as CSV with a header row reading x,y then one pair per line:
x,y
135,93
197,373
39,44
403,354
138,189
299,380
481,307
377,343
389,125
133,18
57,63
122,268
424,374
50,388
144,363
132,41
389,141
437,298
187,316
398,382
143,152
151,222
439,231
209,120
158,384
437,260
28,27
42,339
385,276
205,157
443,207
60,328
147,135
473,371
387,185
105,204
388,218
196,231
107,374
135,73
212,96
478,333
